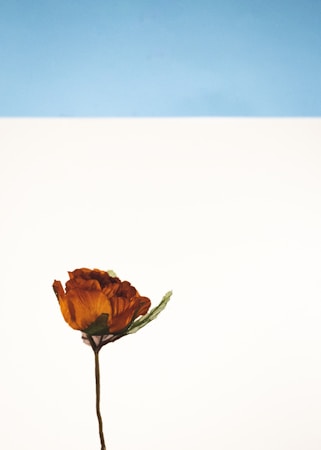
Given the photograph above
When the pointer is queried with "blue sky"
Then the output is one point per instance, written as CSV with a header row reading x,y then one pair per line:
x,y
142,58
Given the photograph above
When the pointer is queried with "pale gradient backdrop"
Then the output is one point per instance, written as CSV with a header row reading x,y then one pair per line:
x,y
226,212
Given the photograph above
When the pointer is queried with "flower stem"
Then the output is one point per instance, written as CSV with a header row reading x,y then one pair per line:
x,y
100,421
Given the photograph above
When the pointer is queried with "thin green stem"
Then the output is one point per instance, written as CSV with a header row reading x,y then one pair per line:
x,y
100,421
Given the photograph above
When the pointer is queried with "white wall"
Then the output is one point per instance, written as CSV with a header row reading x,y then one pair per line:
x,y
226,212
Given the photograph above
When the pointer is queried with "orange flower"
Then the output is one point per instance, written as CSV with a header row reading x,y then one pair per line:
x,y
98,303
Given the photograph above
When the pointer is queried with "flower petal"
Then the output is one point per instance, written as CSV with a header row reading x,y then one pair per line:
x,y
103,278
58,289
142,321
81,283
125,310
80,308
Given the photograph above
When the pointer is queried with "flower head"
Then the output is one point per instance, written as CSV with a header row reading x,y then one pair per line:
x,y
98,304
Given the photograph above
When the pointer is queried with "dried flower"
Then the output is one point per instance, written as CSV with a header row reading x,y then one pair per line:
x,y
97,303
104,308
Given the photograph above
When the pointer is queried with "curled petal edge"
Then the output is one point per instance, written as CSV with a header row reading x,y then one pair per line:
x,y
142,321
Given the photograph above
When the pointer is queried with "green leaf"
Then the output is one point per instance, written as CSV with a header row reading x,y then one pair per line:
x,y
99,327
140,323
112,274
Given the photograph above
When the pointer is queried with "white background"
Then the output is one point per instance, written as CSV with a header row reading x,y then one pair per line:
x,y
226,212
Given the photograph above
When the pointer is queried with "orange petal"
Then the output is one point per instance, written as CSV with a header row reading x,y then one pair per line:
x,y
59,290
126,310
81,283
80,273
121,321
144,305
81,308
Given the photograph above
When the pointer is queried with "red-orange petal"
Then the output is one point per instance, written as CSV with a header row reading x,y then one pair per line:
x,y
58,289
125,311
80,308
81,283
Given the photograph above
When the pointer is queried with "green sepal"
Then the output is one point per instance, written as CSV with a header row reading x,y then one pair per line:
x,y
140,323
99,327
